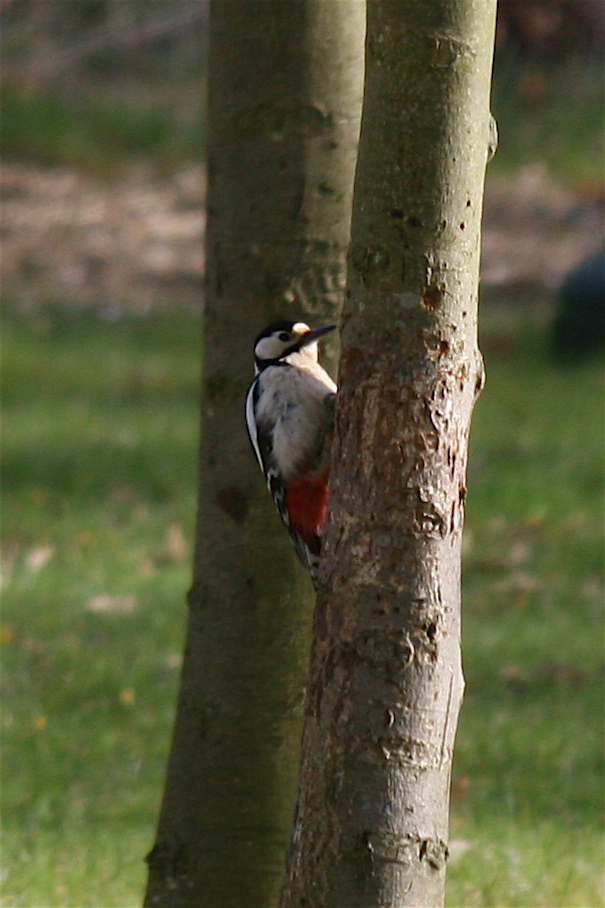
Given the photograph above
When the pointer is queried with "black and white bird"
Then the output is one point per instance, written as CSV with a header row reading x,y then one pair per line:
x,y
290,417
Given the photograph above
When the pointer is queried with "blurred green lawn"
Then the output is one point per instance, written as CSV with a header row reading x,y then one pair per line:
x,y
99,475
551,112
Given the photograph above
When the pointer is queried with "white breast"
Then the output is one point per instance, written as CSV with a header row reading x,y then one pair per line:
x,y
291,405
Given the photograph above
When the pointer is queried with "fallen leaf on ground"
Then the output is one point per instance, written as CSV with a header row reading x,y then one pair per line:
x,y
38,557
122,605
176,543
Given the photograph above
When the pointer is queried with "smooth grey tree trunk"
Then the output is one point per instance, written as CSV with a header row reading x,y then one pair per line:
x,y
386,681
284,107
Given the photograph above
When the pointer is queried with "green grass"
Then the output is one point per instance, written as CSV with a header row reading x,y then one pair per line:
x,y
547,112
101,128
99,470
99,474
552,114
528,789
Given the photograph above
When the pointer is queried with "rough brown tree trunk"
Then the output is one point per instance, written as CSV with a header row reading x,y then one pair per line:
x,y
285,99
386,680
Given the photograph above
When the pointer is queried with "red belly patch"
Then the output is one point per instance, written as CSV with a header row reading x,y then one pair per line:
x,y
307,503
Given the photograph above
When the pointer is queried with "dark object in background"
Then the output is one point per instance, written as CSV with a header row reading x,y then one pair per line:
x,y
551,30
579,327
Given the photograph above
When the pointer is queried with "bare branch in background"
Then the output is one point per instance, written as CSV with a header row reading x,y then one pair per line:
x,y
119,32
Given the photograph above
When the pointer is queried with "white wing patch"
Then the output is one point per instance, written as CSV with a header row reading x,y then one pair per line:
x,y
251,421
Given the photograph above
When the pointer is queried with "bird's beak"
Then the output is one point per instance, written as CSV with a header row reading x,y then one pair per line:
x,y
314,334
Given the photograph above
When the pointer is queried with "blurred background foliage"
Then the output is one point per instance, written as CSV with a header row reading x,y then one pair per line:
x,y
102,144
94,83
99,83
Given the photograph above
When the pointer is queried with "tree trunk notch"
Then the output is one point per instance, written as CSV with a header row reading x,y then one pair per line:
x,y
386,681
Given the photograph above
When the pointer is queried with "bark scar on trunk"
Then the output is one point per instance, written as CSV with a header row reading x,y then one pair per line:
x,y
407,849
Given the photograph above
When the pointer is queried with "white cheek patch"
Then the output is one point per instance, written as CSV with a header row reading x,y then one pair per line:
x,y
268,348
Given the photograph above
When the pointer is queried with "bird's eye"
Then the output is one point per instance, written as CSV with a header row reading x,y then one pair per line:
x,y
284,336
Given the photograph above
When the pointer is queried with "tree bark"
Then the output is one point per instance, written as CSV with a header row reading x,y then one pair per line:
x,y
386,682
284,107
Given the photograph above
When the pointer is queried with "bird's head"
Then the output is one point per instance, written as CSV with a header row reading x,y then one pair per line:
x,y
281,339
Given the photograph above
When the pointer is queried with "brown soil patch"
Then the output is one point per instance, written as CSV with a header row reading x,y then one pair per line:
x,y
137,243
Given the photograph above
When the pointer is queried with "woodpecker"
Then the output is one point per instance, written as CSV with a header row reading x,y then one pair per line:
x,y
290,418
